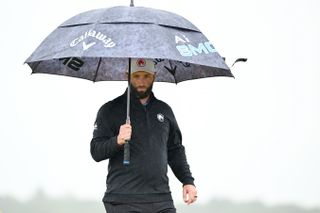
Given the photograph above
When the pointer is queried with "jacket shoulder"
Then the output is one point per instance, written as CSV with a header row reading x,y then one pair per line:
x,y
111,105
164,106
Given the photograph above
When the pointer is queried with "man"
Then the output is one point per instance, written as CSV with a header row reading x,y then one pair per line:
x,y
155,142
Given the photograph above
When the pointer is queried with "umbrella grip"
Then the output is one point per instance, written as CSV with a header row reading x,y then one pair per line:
x,y
126,153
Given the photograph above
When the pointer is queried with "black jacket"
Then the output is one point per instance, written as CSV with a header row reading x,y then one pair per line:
x,y
155,143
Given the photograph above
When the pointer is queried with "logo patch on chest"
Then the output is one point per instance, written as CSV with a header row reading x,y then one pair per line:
x,y
160,117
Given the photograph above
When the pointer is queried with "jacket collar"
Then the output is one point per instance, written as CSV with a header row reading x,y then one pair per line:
x,y
134,101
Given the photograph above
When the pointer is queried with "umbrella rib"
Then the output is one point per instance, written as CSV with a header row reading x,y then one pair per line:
x,y
95,76
172,71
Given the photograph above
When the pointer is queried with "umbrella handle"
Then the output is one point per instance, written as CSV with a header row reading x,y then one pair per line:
x,y
126,151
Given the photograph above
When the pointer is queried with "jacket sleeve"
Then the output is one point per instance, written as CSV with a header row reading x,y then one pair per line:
x,y
104,142
176,154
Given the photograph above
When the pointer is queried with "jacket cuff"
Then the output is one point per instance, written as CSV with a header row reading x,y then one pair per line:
x,y
188,181
114,145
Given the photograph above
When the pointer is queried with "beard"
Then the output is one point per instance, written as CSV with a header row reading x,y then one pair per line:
x,y
141,94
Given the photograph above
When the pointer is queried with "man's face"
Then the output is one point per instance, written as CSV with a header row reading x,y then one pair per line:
x,y
142,83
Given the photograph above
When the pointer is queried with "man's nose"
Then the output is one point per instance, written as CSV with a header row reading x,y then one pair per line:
x,y
141,83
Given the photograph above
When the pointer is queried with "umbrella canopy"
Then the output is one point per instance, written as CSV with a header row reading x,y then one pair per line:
x,y
96,45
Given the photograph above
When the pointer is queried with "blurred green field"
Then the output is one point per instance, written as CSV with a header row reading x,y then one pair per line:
x,y
41,203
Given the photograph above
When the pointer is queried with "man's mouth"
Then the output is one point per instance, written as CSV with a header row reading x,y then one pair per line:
x,y
141,88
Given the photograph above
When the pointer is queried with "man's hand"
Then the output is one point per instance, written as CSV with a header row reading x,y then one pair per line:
x,y
124,134
189,194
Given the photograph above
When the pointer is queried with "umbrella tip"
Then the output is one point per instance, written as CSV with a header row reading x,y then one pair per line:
x,y
131,4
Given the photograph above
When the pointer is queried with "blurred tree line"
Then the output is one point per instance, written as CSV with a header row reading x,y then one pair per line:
x,y
40,203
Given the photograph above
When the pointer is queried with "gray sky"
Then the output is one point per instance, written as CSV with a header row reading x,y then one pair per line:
x,y
255,137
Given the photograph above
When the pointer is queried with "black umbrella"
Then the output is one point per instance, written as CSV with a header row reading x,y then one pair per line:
x,y
97,45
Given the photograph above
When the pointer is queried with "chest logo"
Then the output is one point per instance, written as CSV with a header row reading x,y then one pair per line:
x,y
160,117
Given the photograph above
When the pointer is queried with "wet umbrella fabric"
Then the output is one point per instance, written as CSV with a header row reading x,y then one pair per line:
x,y
97,44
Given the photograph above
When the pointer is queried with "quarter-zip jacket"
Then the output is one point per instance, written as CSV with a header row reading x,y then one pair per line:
x,y
155,143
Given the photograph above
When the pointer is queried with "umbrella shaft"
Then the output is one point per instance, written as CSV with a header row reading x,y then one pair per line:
x,y
128,92
128,103
126,151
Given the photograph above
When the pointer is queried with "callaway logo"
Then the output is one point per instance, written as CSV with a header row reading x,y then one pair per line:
x,y
107,42
160,117
141,62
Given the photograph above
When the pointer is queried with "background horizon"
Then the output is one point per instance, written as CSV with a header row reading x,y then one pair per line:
x,y
43,203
